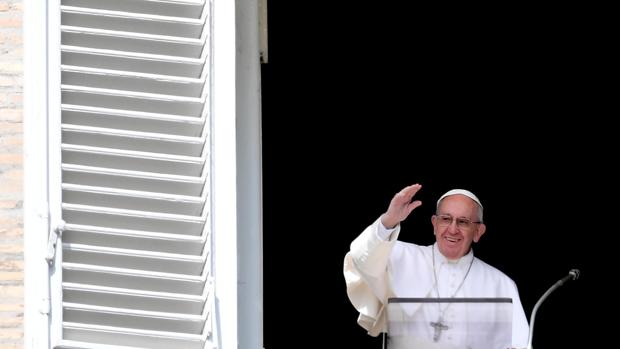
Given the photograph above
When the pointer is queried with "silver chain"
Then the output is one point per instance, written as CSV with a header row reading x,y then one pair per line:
x,y
441,312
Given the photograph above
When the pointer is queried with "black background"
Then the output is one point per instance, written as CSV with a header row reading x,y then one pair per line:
x,y
363,98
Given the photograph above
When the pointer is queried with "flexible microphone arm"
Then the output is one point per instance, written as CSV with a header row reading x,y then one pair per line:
x,y
572,275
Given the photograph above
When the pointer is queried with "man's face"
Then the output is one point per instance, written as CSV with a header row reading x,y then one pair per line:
x,y
456,225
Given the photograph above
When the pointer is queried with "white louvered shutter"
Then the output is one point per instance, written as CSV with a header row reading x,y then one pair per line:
x,y
135,254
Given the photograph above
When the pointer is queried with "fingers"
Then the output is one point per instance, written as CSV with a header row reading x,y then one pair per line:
x,y
412,206
415,204
405,196
409,191
401,206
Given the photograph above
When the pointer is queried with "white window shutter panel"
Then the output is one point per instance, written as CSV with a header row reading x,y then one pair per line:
x,y
136,245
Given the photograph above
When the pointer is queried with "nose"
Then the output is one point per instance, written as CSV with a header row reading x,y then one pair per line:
x,y
452,229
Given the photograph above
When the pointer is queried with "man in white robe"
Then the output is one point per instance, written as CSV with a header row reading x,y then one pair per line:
x,y
379,267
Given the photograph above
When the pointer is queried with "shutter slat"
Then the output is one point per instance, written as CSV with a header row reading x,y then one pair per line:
x,y
134,299
176,8
133,338
132,81
130,61
132,120
133,180
133,219
138,194
136,22
137,101
134,319
72,344
133,279
136,243
134,239
132,160
132,140
134,259
132,42
133,200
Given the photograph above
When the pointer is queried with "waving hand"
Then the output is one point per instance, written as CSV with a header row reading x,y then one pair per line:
x,y
401,206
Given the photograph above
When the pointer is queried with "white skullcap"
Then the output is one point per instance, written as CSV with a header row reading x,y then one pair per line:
x,y
462,192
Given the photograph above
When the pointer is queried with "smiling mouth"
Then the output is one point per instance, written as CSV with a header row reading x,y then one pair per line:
x,y
452,239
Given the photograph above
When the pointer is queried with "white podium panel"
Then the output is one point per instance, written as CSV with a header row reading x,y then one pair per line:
x,y
449,323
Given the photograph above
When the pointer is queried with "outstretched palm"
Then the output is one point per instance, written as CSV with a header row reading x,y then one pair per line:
x,y
401,206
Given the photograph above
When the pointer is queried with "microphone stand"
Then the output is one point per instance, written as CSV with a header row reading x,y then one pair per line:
x,y
572,275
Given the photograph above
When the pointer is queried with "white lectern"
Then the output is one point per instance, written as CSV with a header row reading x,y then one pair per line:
x,y
449,323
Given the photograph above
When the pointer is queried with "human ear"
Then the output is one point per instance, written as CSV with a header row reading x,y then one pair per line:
x,y
479,231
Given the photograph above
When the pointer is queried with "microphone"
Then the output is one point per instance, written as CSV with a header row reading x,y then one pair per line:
x,y
573,274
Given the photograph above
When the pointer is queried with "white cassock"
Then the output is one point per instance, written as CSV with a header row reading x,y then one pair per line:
x,y
376,270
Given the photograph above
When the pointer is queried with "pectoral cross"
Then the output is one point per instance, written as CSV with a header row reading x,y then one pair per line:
x,y
438,326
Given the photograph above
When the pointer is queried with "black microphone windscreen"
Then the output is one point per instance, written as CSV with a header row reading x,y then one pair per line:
x,y
574,273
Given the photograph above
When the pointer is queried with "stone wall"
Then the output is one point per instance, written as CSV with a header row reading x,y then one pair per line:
x,y
11,173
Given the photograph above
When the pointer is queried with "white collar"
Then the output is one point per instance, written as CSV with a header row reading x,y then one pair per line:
x,y
461,263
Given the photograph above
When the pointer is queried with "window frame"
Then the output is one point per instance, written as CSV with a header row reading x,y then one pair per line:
x,y
235,166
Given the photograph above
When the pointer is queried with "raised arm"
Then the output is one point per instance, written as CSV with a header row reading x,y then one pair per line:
x,y
365,266
401,206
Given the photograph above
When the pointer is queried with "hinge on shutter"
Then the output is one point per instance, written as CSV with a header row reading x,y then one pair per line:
x,y
52,240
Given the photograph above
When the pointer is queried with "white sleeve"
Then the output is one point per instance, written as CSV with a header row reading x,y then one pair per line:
x,y
520,326
384,233
365,272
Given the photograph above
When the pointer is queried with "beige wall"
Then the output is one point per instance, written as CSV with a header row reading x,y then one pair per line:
x,y
11,170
